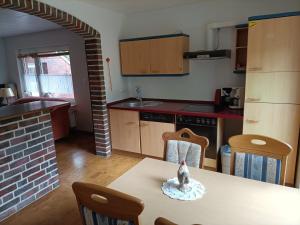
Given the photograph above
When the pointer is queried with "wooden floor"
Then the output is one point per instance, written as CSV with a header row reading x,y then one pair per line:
x,y
76,162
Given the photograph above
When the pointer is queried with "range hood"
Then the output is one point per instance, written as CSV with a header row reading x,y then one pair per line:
x,y
213,54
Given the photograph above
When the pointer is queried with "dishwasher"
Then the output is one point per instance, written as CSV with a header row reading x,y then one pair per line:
x,y
207,127
152,127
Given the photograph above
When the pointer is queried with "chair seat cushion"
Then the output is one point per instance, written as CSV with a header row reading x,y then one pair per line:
x,y
258,167
93,218
178,151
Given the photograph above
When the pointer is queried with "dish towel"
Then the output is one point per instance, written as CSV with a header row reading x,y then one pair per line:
x,y
194,190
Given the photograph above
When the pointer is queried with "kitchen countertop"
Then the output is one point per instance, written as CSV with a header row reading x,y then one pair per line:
x,y
180,107
19,109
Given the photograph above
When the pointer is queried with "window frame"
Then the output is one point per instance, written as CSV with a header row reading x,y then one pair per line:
x,y
38,71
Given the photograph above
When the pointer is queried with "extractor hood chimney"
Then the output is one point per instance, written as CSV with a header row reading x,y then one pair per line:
x,y
212,52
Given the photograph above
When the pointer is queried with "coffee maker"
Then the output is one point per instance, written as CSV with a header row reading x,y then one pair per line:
x,y
233,97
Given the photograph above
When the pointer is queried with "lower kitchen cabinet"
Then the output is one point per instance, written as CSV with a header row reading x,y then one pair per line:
x,y
152,143
125,130
279,121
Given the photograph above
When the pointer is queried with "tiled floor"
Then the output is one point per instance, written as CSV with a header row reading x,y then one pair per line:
x,y
76,162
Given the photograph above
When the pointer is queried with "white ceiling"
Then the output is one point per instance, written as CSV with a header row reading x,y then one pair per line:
x,y
14,23
134,6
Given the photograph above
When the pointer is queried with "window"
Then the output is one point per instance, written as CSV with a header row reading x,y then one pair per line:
x,y
47,74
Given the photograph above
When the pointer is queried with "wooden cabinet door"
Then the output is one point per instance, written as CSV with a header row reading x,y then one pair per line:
x,y
260,45
273,45
135,57
273,87
287,44
279,121
152,143
125,130
166,55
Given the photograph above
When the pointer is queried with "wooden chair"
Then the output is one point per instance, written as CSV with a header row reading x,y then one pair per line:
x,y
97,203
186,135
268,148
163,221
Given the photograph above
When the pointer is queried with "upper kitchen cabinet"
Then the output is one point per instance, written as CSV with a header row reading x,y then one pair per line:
x,y
162,55
135,57
273,45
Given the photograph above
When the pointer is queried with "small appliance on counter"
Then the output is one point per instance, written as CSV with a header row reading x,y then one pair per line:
x,y
233,97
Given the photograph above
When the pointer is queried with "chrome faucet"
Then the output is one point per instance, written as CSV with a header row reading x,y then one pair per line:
x,y
138,91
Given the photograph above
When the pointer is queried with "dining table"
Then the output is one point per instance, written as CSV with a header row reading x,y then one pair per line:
x,y
228,200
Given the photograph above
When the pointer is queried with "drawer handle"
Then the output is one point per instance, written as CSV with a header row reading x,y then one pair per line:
x,y
253,99
252,121
255,69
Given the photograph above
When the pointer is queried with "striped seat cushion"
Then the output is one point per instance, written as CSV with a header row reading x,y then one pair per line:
x,y
93,218
178,151
258,167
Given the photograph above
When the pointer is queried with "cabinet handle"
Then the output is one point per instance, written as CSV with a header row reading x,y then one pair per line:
x,y
253,99
252,121
143,125
255,68
130,123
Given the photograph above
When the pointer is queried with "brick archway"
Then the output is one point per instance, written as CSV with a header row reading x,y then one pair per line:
x,y
93,57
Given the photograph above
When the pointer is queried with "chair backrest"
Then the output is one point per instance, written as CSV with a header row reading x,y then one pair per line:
x,y
101,205
163,221
186,135
266,155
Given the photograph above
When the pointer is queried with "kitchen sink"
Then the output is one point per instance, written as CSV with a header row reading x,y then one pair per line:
x,y
134,104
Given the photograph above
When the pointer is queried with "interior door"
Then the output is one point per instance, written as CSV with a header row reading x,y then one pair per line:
x,y
152,143
279,121
135,58
125,130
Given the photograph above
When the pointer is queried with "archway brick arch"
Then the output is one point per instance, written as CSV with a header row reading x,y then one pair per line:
x,y
93,57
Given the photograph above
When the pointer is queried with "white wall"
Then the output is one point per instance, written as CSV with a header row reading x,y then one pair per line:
x,y
109,24
53,40
205,76
3,71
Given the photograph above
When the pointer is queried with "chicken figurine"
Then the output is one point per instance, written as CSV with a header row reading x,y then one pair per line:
x,y
183,176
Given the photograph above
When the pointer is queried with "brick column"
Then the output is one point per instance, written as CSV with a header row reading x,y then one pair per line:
x,y
28,167
98,97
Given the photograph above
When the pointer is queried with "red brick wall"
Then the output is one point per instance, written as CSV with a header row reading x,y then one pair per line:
x,y
94,62
28,167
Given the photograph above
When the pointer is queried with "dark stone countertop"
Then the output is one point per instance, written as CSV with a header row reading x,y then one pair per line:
x,y
20,109
180,107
